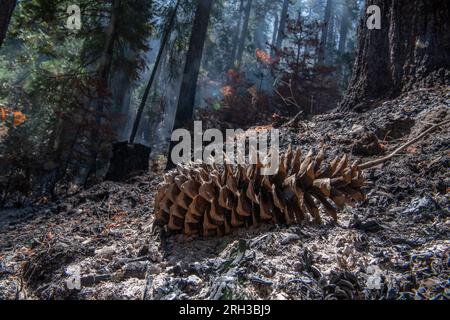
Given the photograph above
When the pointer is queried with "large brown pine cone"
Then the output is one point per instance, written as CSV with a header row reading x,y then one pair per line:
x,y
204,200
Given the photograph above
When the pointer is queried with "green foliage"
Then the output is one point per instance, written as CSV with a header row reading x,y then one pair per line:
x,y
301,83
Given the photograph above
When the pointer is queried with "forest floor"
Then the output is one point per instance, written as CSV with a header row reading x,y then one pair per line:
x,y
394,245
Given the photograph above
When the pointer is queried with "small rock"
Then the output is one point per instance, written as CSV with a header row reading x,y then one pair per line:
x,y
367,226
357,128
421,206
193,281
91,280
135,270
289,238
367,146
4,270
280,297
143,251
106,252
153,269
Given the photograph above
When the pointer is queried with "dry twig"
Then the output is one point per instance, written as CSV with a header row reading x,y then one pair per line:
x,y
377,162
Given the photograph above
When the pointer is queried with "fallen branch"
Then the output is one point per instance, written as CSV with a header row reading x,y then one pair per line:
x,y
295,120
377,162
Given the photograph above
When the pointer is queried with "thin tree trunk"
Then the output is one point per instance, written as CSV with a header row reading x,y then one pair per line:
x,y
164,41
275,29
237,32
345,25
411,51
282,27
6,11
185,109
331,39
325,28
244,32
107,54
121,93
261,25
186,101
300,9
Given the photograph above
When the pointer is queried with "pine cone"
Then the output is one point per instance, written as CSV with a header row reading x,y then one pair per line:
x,y
204,200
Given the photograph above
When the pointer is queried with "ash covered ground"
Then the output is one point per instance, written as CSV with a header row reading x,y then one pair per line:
x,y
394,245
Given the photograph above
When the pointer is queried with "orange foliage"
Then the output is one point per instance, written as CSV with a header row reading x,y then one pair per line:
x,y
263,57
18,117
226,91
235,77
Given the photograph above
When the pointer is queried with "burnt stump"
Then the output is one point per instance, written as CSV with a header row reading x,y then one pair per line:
x,y
128,160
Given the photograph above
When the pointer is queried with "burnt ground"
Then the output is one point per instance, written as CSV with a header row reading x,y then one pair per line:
x,y
394,245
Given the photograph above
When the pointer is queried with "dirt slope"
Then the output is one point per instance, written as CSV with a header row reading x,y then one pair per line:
x,y
394,245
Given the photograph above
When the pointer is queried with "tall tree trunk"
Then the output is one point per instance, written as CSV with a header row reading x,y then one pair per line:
x,y
185,109
412,50
106,60
164,41
345,26
282,26
91,140
186,101
236,38
107,54
325,28
121,93
6,11
261,25
331,40
244,32
300,10
259,36
275,29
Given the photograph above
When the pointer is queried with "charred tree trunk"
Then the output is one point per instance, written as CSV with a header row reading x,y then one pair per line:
x,y
162,47
186,101
244,31
412,50
236,39
331,40
345,26
104,69
121,87
6,11
261,23
94,141
282,27
102,133
325,28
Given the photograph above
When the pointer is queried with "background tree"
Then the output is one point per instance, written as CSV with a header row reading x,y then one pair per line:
x,y
185,108
282,25
186,102
164,40
6,11
64,79
345,26
325,32
412,49
244,33
236,34
261,24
